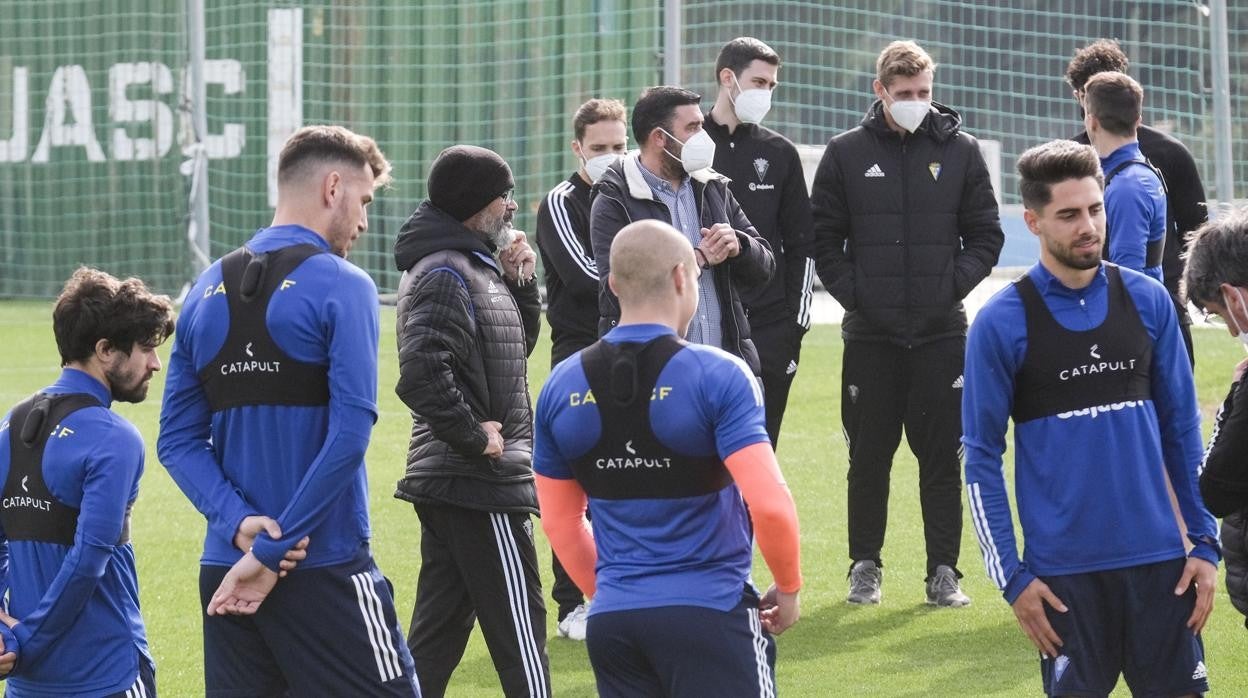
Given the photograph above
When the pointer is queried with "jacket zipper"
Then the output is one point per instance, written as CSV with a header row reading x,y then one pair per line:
x,y
905,241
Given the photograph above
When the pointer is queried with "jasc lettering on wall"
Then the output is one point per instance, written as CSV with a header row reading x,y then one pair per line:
x,y
139,129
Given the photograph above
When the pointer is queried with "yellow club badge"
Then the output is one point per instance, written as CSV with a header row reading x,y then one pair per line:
x,y
934,168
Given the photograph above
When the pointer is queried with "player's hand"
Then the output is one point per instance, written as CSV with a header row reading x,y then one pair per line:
x,y
1029,609
250,527
494,439
718,243
778,611
293,557
245,586
1205,575
518,259
1239,371
8,657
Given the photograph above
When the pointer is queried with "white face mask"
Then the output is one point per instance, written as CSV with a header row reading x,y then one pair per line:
x,y
909,114
750,105
596,167
1241,332
698,152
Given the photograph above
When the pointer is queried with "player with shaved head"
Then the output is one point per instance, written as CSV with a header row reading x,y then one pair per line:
x,y
661,440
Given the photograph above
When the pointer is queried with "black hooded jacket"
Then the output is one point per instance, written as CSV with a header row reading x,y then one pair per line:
x,y
1224,488
464,336
904,228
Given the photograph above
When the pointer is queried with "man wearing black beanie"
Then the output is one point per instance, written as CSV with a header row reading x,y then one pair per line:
x,y
468,317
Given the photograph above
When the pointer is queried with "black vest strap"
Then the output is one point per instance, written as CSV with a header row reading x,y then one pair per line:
x,y
28,510
1066,371
629,462
250,369
1154,250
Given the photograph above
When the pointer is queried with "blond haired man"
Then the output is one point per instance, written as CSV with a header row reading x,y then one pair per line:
x,y
906,225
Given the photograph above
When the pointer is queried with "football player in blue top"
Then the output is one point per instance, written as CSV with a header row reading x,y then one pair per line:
x,y
268,408
666,443
71,468
1087,359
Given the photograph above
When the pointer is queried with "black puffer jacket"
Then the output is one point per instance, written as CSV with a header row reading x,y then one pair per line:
x,y
1235,557
464,335
1224,488
904,228
622,196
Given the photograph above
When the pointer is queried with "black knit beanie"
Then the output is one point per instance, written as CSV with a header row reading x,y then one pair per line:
x,y
465,178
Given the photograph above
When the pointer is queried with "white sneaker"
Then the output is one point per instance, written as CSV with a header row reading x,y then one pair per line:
x,y
573,625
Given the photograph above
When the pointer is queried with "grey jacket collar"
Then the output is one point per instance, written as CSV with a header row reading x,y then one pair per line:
x,y
639,189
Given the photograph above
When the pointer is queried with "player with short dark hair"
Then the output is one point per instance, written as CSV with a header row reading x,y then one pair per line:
x,y
1185,194
1135,198
665,442
268,409
70,469
1086,358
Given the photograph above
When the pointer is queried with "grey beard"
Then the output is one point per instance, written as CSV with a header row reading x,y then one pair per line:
x,y
503,236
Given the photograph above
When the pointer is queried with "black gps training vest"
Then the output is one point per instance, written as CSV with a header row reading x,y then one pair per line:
x,y
1066,370
28,511
628,461
250,369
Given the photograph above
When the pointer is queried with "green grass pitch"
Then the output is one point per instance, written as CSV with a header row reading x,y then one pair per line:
x,y
901,648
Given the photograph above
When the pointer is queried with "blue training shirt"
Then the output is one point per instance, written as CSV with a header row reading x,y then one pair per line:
x,y
691,551
80,632
301,465
1090,485
1135,210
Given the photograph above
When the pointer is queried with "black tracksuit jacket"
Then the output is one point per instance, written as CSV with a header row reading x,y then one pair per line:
x,y
766,178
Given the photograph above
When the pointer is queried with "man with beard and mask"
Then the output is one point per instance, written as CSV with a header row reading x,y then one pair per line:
x,y
766,177
906,226
1087,360
268,410
571,278
670,179
1185,194
1216,281
468,317
71,468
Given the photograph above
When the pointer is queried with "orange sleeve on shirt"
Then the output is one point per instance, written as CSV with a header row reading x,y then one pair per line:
x,y
757,474
563,505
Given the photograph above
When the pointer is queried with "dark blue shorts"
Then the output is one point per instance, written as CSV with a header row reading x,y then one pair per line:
x,y
144,685
1124,621
682,651
327,631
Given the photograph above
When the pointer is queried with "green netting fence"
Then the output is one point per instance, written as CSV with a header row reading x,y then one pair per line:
x,y
96,135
